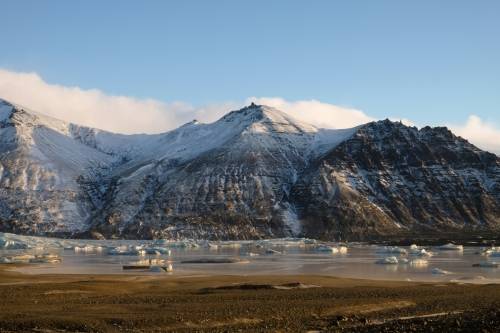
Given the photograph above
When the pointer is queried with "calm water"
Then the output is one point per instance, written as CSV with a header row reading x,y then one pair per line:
x,y
295,256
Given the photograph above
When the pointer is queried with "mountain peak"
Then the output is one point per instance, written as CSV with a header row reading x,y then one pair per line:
x,y
267,116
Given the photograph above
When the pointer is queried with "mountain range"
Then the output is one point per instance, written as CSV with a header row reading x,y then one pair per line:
x,y
255,173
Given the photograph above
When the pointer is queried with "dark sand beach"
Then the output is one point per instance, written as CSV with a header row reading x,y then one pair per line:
x,y
163,303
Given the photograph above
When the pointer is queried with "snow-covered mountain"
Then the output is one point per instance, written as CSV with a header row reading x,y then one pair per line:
x,y
256,172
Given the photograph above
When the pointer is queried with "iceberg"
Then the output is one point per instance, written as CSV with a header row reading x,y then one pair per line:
x,y
46,259
6,244
332,249
5,260
127,251
419,263
439,271
88,249
387,261
451,247
421,253
22,258
392,250
158,251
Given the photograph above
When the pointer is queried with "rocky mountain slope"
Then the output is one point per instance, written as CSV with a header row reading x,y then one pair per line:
x,y
256,172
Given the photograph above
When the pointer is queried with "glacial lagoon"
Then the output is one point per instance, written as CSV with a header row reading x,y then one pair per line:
x,y
290,256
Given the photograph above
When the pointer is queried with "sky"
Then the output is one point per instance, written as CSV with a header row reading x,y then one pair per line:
x,y
149,66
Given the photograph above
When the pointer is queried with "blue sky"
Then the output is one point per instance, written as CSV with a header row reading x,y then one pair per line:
x,y
433,62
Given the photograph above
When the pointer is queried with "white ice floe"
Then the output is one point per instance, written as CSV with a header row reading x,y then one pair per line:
x,y
392,250
488,251
156,250
439,271
22,258
5,260
6,244
127,251
419,263
332,249
421,253
388,261
252,254
451,247
46,259
88,249
492,252
149,262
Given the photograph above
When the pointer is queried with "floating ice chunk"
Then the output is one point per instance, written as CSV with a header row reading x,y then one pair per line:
x,y
488,251
332,249
252,254
127,251
342,249
451,247
388,261
88,249
158,250
212,246
232,245
403,261
421,253
493,252
439,271
7,244
46,259
271,251
419,263
5,260
22,258
392,249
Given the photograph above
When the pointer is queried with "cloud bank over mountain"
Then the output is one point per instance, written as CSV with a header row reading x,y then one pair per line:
x,y
123,114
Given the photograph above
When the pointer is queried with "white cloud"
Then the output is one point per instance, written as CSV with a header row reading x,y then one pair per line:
x,y
482,134
132,115
320,114
88,107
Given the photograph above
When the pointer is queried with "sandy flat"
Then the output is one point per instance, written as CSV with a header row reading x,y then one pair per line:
x,y
164,303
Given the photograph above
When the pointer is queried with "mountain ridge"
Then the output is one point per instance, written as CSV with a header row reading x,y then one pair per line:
x,y
256,172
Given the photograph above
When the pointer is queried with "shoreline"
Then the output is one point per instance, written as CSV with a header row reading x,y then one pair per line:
x,y
137,303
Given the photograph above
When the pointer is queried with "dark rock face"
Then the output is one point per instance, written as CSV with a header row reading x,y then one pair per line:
x,y
390,179
254,173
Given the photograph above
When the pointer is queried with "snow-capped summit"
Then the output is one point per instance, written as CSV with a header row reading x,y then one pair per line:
x,y
256,172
